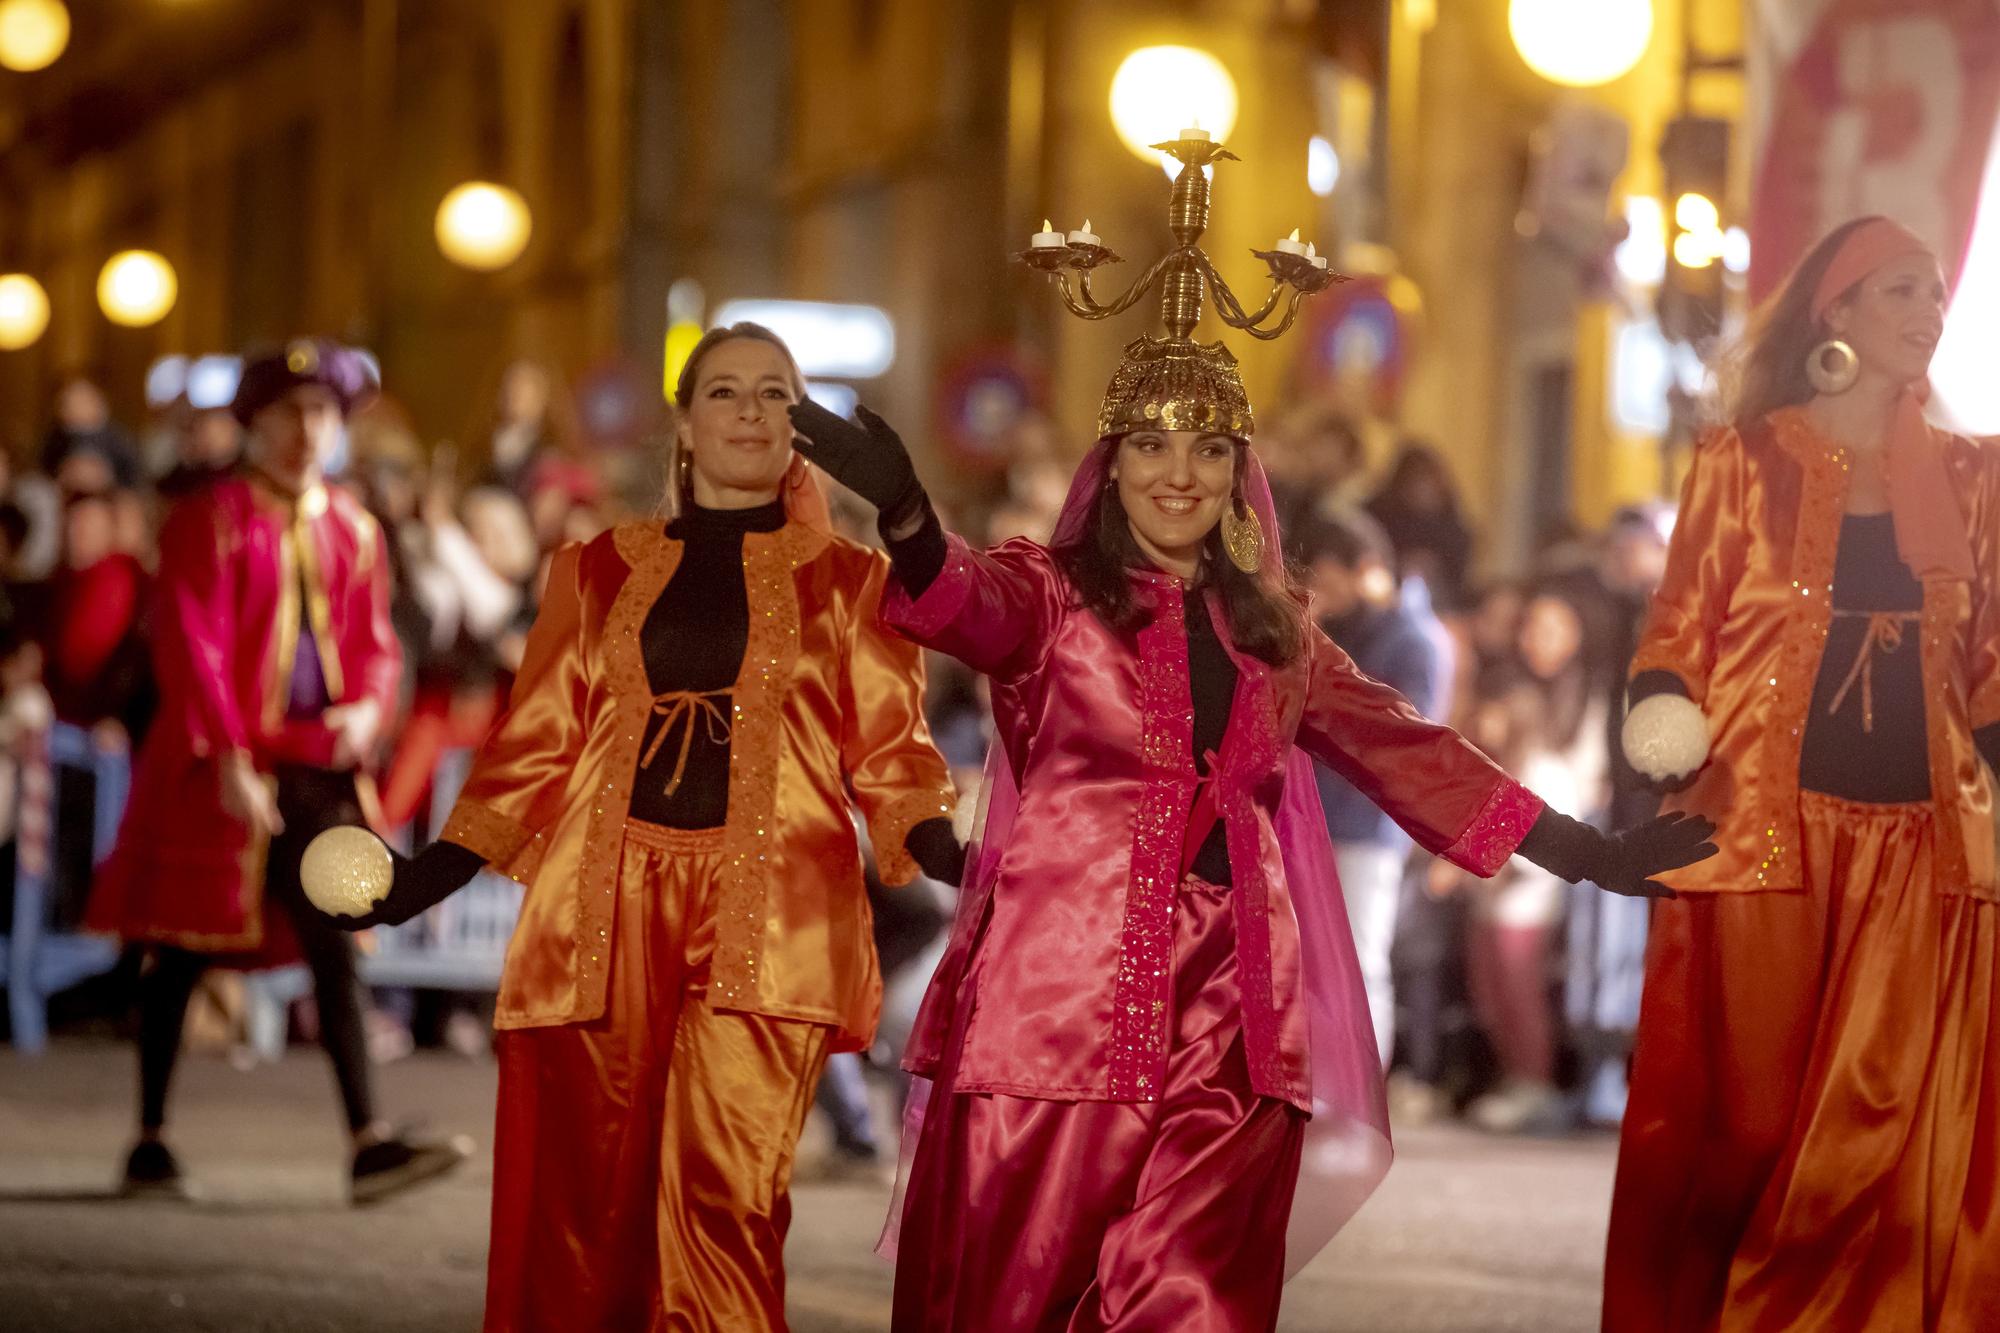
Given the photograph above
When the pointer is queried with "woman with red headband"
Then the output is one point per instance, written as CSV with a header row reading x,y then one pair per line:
x,y
1811,1139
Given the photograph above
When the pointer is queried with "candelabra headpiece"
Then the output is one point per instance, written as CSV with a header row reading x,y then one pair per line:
x,y
1174,382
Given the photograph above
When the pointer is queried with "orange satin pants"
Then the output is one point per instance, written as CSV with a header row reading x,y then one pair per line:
x,y
642,1160
1813,1137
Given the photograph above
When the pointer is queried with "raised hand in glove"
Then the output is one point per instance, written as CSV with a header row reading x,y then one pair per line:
x,y
869,458
937,850
422,882
1623,862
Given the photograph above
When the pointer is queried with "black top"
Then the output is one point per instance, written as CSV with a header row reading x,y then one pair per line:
x,y
919,558
1212,682
693,640
1865,736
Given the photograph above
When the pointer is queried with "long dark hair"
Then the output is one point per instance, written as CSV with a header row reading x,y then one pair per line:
x,y
1266,611
1765,369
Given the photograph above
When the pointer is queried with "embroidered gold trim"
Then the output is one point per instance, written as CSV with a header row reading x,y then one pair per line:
x,y
650,562
285,642
890,829
1146,940
742,904
318,608
482,829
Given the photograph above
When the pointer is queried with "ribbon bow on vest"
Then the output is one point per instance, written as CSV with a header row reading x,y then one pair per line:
x,y
685,708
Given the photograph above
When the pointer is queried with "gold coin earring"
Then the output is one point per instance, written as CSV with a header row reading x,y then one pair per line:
x,y
1243,536
1832,367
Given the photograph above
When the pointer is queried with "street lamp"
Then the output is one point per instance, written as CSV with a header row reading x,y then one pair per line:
x,y
24,311
33,33
1161,90
1580,43
136,288
483,226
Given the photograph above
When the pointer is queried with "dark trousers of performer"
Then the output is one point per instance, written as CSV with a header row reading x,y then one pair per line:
x,y
1813,1139
310,800
1030,1214
643,1160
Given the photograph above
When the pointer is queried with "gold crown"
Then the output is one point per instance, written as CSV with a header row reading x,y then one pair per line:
x,y
1175,383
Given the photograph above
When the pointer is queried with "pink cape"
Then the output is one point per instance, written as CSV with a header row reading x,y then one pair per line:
x,y
1347,1146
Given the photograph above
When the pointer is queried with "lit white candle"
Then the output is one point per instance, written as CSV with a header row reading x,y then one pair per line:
x,y
1084,235
1045,238
1319,261
1291,245
1196,133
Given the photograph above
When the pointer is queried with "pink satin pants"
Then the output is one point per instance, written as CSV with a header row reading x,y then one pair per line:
x,y
1025,1214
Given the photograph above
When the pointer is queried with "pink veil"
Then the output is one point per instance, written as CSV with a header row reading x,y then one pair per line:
x,y
1347,1146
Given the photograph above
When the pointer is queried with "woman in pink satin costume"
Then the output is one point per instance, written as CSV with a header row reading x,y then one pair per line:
x,y
1149,1027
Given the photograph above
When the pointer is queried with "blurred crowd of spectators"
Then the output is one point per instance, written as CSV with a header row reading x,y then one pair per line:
x,y
469,534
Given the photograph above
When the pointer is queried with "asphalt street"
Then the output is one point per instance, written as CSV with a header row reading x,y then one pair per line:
x,y
1471,1234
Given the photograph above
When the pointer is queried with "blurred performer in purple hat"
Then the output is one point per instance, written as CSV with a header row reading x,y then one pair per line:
x,y
277,673
1150,1028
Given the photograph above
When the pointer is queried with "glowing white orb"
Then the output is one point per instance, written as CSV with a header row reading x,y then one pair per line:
x,y
346,871
1665,737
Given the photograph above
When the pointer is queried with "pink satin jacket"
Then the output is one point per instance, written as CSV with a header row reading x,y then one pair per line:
x,y
1064,961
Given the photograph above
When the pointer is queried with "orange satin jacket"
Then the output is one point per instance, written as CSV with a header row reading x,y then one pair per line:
x,y
826,701
1742,620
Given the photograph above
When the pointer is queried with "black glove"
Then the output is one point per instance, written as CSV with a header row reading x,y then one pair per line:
x,y
933,846
422,882
869,459
1623,863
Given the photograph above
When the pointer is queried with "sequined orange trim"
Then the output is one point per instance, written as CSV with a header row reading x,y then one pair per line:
x,y
889,830
650,560
484,830
1166,747
742,908
1815,545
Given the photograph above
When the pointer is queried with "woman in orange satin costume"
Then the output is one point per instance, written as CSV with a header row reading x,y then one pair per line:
x,y
671,783
1811,1138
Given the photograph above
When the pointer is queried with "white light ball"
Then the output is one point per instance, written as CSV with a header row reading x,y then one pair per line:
x,y
1665,737
346,871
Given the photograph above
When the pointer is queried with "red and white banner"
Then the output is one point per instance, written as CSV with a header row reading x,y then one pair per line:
x,y
1870,106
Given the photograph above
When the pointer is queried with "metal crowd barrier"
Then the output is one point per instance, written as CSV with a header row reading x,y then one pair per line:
x,y
37,961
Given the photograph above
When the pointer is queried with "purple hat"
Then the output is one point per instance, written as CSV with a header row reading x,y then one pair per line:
x,y
269,376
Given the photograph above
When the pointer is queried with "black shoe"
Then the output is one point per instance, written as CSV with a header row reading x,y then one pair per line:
x,y
858,1151
394,1165
152,1172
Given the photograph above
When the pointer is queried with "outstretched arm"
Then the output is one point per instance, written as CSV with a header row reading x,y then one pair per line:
x,y
1457,803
